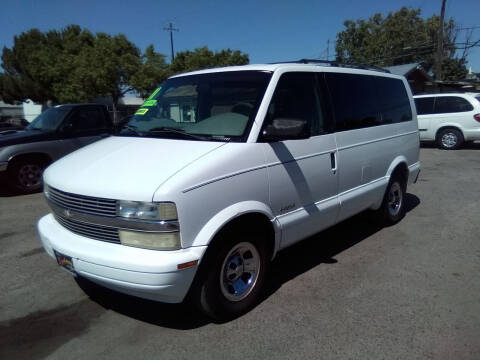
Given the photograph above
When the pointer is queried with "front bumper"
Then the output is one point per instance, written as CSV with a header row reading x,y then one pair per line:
x,y
149,274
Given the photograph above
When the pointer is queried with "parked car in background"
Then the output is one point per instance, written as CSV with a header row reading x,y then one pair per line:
x,y
220,169
448,119
24,153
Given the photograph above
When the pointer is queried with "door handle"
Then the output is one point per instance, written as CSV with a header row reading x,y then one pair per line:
x,y
333,161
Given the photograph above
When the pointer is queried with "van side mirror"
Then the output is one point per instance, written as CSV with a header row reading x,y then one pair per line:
x,y
286,129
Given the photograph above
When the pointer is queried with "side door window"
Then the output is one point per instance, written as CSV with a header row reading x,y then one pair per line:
x,y
296,97
354,100
424,105
87,122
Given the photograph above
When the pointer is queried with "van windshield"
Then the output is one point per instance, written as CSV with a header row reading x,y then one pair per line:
x,y
214,106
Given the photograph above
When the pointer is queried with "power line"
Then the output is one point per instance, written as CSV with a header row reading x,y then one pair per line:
x,y
171,29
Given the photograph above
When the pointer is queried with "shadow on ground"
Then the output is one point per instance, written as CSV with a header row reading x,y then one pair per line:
x,y
467,146
290,263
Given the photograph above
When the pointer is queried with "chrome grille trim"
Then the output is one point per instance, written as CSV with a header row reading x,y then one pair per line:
x,y
82,204
92,231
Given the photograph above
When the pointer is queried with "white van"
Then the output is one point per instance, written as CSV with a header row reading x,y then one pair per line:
x,y
266,156
448,119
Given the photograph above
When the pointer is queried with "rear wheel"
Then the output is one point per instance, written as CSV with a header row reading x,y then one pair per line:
x,y
231,278
450,139
393,205
26,175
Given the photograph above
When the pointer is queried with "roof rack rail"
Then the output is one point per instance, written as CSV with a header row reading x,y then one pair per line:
x,y
352,65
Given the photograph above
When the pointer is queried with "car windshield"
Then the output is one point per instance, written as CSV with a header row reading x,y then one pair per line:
x,y
49,119
214,106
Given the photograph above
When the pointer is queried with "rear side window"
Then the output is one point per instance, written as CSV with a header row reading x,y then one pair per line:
x,y
393,100
354,100
424,105
451,104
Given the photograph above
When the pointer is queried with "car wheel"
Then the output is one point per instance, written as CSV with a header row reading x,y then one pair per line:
x,y
392,209
450,139
231,278
26,175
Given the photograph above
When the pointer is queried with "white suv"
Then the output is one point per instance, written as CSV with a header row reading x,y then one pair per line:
x,y
448,119
220,169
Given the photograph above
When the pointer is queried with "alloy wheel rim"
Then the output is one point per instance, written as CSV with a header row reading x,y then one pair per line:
x,y
449,140
395,199
29,175
240,271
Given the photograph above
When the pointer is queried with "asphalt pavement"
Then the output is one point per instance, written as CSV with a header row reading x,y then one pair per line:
x,y
355,291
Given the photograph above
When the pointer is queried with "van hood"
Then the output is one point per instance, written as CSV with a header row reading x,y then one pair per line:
x,y
125,168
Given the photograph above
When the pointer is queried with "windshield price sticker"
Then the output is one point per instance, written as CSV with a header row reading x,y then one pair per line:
x,y
150,103
141,111
154,93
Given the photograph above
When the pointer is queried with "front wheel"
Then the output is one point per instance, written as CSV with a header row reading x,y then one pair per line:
x,y
25,176
231,279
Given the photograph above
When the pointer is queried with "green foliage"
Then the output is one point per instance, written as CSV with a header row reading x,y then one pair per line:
x,y
454,69
74,65
402,37
153,71
203,58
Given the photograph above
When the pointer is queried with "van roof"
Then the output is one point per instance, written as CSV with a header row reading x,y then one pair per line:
x,y
304,64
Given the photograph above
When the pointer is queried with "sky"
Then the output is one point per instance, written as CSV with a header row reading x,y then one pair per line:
x,y
268,31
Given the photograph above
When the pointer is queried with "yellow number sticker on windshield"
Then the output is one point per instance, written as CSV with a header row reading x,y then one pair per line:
x,y
141,111
150,103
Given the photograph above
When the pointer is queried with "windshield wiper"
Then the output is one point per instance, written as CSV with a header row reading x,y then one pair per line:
x,y
132,129
166,130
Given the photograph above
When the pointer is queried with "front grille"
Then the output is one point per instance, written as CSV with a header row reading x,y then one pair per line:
x,y
81,203
97,232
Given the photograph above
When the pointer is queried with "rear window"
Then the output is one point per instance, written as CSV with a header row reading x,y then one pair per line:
x,y
451,104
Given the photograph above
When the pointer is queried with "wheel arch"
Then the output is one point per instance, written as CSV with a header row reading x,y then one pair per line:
x,y
251,213
28,155
448,126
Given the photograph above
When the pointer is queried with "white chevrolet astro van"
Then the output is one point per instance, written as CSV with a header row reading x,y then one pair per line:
x,y
222,168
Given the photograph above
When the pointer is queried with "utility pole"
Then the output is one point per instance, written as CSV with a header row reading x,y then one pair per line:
x,y
171,29
328,49
439,57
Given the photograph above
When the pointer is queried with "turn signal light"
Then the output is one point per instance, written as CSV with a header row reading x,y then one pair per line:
x,y
477,117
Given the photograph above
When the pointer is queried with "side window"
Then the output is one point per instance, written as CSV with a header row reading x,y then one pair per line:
x,y
87,120
424,105
393,100
451,104
354,100
296,97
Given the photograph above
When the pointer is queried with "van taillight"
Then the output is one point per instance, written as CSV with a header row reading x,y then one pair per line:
x,y
477,117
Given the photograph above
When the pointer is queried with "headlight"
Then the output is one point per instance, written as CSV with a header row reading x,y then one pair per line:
x,y
155,241
147,211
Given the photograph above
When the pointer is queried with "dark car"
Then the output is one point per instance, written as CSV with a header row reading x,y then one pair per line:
x,y
24,153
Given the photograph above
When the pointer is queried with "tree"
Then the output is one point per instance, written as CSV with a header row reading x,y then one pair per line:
x,y
152,72
400,38
40,65
202,58
108,66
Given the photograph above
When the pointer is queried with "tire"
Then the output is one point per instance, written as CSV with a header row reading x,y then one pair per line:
x,y
392,209
231,278
450,139
25,176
